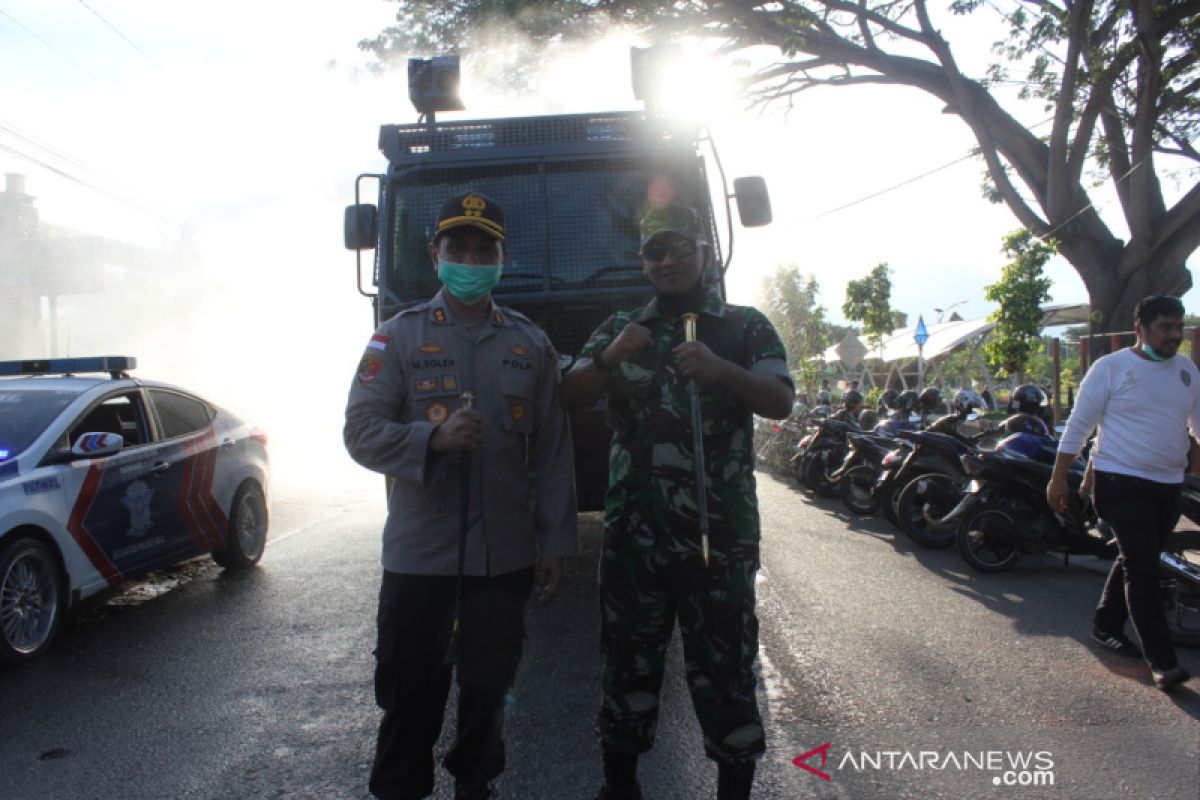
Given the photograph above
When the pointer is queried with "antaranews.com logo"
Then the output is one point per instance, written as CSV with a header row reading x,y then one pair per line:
x,y
1006,767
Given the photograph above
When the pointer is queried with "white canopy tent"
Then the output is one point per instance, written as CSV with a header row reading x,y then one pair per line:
x,y
900,347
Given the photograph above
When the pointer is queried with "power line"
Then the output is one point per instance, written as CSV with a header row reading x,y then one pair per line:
x,y
892,188
13,130
88,184
117,31
26,28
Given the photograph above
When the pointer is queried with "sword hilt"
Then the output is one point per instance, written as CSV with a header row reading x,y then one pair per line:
x,y
689,326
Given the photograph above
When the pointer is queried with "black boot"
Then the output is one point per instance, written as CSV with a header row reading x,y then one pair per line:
x,y
734,780
620,777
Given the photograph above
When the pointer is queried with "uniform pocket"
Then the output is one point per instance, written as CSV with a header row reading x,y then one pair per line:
x,y
517,393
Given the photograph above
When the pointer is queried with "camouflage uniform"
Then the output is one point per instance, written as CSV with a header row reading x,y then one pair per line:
x,y
651,568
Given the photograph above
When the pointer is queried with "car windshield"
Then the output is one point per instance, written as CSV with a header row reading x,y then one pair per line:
x,y
24,414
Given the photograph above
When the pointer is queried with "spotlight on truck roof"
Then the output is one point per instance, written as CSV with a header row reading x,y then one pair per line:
x,y
433,85
648,68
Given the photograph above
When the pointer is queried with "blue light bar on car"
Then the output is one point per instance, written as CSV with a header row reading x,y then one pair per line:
x,y
69,366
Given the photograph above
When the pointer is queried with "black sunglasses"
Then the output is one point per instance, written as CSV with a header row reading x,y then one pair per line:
x,y
677,248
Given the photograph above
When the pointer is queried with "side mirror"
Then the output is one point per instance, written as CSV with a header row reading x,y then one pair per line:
x,y
361,226
97,444
753,201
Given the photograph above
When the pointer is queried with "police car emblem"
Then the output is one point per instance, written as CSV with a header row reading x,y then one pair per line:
x,y
137,500
437,413
1185,377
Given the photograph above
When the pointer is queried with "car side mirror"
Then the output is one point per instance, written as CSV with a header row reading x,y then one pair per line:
x,y
97,444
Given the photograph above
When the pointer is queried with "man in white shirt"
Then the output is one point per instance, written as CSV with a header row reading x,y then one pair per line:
x,y
1144,399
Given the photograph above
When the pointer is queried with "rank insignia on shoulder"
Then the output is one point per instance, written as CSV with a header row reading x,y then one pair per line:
x,y
496,318
431,348
437,413
519,350
426,385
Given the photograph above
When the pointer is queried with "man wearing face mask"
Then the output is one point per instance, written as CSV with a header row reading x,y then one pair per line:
x,y
457,401
653,565
1143,399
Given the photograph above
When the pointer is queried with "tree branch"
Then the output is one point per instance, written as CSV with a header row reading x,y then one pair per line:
x,y
1058,186
1147,205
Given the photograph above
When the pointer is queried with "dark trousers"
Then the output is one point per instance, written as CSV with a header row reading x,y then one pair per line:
x,y
1142,513
412,676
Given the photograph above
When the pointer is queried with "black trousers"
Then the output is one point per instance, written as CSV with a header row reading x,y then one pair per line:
x,y
1142,513
412,676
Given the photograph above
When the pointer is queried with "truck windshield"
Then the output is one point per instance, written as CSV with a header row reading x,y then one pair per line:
x,y
571,225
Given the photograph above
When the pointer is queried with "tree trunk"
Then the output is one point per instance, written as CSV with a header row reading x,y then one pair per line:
x,y
1115,287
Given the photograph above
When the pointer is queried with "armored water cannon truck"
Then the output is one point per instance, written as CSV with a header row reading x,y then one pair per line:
x,y
573,188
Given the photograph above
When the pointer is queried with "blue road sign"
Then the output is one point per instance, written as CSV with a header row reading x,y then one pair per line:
x,y
922,335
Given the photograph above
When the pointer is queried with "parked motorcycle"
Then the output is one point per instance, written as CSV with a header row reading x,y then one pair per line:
x,y
860,469
1180,568
929,486
1004,512
823,453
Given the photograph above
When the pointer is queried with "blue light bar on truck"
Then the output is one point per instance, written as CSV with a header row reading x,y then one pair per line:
x,y
114,365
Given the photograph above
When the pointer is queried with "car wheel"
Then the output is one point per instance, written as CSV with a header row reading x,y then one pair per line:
x,y
982,539
247,535
30,599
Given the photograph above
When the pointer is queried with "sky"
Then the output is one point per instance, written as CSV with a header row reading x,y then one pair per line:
x,y
244,124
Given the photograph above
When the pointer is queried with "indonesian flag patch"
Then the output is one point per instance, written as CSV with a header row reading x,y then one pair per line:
x,y
378,342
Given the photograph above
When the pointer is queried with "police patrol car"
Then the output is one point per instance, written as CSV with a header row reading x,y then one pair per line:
x,y
105,478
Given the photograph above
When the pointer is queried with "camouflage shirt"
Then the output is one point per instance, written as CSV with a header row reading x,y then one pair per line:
x,y
651,485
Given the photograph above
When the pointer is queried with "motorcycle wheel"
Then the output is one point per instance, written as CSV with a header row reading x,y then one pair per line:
x,y
916,509
979,543
817,480
888,495
855,488
795,468
1181,599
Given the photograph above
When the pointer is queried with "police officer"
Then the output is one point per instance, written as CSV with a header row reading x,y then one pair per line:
x,y
652,570
408,418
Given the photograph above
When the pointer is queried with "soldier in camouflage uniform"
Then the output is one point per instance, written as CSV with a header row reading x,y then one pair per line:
x,y
652,569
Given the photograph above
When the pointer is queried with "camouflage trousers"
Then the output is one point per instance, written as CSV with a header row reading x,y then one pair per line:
x,y
642,591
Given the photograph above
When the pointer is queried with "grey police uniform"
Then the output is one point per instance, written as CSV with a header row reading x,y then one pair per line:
x,y
411,378
522,507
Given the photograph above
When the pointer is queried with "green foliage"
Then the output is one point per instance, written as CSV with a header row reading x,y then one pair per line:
x,y
869,301
790,302
1020,293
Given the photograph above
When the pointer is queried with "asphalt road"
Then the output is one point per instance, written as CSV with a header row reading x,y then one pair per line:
x,y
259,685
